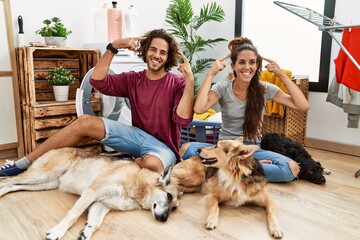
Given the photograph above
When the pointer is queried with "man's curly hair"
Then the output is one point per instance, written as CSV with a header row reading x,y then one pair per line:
x,y
172,59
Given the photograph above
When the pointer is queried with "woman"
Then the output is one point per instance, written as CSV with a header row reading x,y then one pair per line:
x,y
242,101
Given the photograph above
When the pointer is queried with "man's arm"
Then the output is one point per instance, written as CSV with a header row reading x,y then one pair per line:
x,y
102,67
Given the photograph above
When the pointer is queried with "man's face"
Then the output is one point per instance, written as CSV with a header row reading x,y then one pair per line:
x,y
157,54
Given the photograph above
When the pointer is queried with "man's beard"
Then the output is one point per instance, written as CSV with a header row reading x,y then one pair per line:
x,y
158,67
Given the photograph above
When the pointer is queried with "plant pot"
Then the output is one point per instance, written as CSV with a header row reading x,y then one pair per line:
x,y
61,93
55,41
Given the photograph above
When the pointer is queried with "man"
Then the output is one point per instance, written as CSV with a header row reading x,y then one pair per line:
x,y
161,102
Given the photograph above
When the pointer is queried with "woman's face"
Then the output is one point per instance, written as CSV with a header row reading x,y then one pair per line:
x,y
245,65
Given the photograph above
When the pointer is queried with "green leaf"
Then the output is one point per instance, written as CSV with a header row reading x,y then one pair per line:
x,y
53,28
184,25
60,76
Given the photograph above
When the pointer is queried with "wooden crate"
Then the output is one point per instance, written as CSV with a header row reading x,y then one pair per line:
x,y
293,124
42,115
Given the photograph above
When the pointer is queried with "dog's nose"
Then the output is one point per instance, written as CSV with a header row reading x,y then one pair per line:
x,y
323,180
319,180
163,217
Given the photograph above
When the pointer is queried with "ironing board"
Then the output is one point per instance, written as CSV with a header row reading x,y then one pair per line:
x,y
324,23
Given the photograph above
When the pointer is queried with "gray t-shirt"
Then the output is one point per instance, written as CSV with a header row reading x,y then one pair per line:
x,y
233,109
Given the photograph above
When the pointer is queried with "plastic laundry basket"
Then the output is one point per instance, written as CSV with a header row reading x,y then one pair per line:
x,y
200,131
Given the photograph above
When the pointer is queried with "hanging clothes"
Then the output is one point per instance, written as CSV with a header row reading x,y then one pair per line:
x,y
347,99
346,71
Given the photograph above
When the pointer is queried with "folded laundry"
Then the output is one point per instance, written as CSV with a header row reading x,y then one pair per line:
x,y
205,115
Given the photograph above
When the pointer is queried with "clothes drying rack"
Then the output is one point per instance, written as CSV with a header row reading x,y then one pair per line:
x,y
324,23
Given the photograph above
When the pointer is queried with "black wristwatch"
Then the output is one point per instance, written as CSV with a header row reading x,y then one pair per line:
x,y
111,48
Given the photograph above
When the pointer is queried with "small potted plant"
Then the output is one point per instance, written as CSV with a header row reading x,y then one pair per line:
x,y
60,78
54,32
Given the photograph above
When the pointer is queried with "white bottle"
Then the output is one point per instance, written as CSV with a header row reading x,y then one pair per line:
x,y
131,23
101,24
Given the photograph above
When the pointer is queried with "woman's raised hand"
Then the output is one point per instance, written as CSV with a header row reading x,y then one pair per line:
x,y
272,66
218,65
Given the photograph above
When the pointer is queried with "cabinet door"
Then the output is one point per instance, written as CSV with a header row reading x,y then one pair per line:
x,y
11,141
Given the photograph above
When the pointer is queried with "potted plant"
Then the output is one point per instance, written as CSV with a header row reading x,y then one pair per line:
x,y
54,32
60,79
184,25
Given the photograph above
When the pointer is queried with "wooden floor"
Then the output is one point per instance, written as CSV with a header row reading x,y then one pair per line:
x,y
305,211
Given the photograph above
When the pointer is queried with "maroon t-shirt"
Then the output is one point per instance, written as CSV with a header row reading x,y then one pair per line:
x,y
153,103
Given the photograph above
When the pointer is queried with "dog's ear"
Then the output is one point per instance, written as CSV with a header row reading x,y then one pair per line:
x,y
249,150
166,175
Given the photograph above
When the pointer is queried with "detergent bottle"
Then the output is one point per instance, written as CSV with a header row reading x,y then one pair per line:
x,y
101,24
131,23
114,22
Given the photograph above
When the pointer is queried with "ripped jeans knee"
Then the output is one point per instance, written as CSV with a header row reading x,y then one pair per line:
x,y
294,166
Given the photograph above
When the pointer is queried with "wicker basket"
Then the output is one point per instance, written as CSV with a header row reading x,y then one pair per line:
x,y
293,124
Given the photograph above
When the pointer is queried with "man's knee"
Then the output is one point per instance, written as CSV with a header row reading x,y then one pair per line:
x,y
85,120
150,162
295,168
183,149
90,126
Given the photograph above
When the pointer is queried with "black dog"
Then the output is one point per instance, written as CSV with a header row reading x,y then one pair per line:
x,y
310,170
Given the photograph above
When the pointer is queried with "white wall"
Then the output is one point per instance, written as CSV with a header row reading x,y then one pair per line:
x,y
79,17
325,121
7,109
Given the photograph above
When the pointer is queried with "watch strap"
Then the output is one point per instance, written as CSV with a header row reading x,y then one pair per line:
x,y
111,48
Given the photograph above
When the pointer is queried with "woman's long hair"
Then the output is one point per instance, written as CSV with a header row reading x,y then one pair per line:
x,y
255,103
172,59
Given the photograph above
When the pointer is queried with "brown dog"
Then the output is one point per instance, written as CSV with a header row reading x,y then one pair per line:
x,y
239,179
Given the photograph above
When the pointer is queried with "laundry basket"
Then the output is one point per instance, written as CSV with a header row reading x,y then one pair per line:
x,y
200,131
293,124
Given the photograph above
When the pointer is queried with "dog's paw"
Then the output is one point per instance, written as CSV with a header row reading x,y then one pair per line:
x,y
276,233
86,233
210,226
327,171
54,235
211,223
82,236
